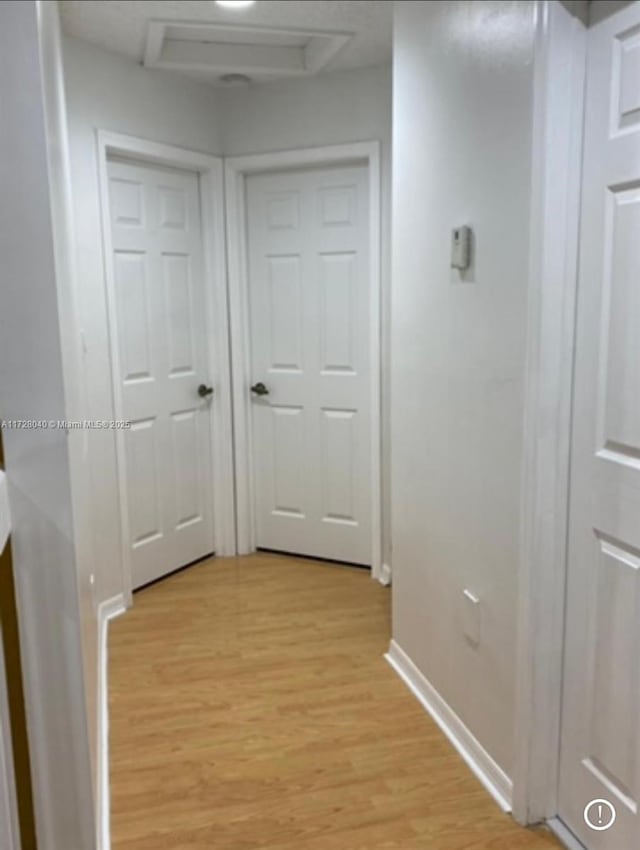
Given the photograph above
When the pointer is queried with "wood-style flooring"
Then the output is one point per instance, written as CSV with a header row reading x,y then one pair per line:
x,y
251,707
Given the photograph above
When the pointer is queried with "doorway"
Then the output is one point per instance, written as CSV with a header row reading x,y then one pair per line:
x,y
166,297
159,334
303,245
308,299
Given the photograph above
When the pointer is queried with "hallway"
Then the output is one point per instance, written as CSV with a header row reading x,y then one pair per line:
x,y
251,706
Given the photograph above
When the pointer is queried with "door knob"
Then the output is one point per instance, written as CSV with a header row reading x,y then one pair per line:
x,y
204,391
259,389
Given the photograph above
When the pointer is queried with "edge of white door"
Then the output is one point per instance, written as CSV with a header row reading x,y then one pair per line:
x,y
237,169
559,78
209,170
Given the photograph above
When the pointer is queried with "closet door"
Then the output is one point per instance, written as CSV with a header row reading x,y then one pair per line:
x,y
159,343
309,290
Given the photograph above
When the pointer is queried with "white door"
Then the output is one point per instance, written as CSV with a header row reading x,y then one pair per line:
x,y
600,739
309,291
159,350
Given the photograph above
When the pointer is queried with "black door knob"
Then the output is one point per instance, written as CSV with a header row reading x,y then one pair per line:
x,y
204,391
259,389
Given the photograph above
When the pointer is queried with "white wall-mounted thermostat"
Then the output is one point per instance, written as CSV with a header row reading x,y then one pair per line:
x,y
461,247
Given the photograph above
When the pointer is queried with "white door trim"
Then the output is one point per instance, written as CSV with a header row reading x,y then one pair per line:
x,y
107,611
9,831
237,169
560,64
8,801
210,172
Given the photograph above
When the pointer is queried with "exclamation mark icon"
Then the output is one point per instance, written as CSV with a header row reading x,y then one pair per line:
x,y
599,815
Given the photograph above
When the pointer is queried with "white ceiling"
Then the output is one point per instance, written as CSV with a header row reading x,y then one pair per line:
x,y
121,25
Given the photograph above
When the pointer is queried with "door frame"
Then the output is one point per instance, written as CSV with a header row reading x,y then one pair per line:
x,y
237,169
209,170
9,827
559,82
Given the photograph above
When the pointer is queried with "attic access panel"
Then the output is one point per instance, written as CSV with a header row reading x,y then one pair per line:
x,y
261,53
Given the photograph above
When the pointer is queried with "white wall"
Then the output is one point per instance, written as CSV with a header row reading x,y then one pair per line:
x,y
334,108
109,92
463,74
54,607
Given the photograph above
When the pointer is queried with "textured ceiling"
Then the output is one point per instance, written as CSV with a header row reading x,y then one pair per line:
x,y
121,26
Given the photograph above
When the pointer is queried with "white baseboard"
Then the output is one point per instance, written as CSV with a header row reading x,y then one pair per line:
x,y
111,608
385,575
494,779
564,835
107,611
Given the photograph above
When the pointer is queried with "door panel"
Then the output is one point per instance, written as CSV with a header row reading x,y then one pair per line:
x,y
160,338
338,312
600,744
310,314
131,282
285,313
288,431
145,522
339,435
181,321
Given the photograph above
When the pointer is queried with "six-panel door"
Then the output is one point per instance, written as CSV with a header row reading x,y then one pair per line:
x,y
158,341
600,742
310,341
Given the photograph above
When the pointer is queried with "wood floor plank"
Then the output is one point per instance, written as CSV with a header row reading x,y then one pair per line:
x,y
251,707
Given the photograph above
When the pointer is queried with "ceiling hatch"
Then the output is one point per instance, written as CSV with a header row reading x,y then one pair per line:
x,y
261,53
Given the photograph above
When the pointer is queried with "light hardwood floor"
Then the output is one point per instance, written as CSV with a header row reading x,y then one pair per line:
x,y
251,707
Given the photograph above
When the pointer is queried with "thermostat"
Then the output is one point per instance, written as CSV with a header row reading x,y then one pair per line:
x,y
461,247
